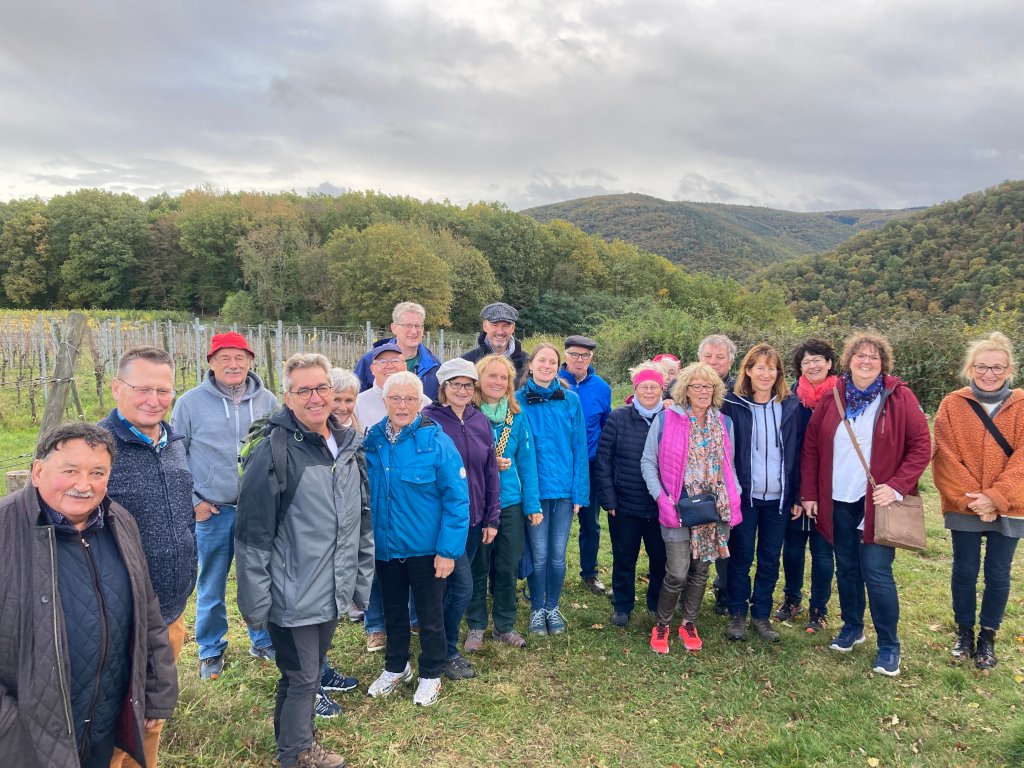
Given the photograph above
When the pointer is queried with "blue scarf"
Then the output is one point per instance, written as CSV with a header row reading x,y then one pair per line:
x,y
649,413
859,399
552,390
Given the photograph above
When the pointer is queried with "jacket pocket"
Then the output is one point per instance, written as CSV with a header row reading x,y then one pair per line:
x,y
419,475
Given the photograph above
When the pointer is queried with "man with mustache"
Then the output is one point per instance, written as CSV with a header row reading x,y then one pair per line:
x,y
84,660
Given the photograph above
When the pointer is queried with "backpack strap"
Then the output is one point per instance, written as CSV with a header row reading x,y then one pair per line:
x,y
279,450
991,426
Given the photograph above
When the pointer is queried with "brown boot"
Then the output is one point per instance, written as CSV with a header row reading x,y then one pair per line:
x,y
318,756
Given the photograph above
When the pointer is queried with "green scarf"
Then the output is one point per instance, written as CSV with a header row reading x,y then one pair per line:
x,y
496,412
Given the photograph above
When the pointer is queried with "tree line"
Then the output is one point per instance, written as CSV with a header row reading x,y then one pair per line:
x,y
336,260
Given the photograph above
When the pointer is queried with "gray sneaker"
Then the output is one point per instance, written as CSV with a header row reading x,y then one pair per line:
x,y
737,629
211,668
763,627
539,622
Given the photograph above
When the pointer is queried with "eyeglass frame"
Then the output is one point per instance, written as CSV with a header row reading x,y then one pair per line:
x,y
145,392
327,390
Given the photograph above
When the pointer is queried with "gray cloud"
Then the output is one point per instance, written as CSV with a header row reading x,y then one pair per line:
x,y
791,104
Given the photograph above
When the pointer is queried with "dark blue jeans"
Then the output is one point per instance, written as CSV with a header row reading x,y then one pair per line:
x,y
999,551
861,566
627,533
823,567
458,591
762,531
590,532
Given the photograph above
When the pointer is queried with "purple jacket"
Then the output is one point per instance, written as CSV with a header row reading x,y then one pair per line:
x,y
474,439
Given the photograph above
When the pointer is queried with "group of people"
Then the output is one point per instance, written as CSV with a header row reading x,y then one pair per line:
x,y
410,492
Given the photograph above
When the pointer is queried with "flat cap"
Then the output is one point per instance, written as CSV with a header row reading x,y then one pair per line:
x,y
580,341
499,312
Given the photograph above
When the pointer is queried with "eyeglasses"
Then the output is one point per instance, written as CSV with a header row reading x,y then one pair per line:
x,y
399,400
862,358
807,362
701,387
579,355
389,362
413,326
981,370
304,393
145,392
465,386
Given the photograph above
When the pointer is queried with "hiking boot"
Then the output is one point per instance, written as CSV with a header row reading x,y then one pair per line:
x,y
847,638
964,646
389,681
211,668
474,641
787,611
332,680
325,706
688,634
318,756
985,655
427,692
457,668
659,638
620,618
376,641
556,621
737,629
816,621
595,586
721,606
512,638
887,662
539,622
763,627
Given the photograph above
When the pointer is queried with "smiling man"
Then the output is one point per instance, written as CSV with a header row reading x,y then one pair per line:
x,y
304,549
84,661
151,479
498,337
214,419
408,319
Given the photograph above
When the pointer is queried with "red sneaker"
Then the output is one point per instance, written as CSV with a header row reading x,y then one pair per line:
x,y
688,634
659,639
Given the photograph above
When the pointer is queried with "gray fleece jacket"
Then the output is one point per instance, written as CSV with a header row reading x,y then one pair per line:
x,y
215,426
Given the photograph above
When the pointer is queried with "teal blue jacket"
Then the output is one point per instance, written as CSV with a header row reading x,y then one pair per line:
x,y
519,481
418,492
560,435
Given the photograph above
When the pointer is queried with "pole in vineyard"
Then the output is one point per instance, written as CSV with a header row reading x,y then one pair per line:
x,y
64,371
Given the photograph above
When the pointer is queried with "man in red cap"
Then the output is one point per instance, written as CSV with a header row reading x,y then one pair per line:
x,y
214,418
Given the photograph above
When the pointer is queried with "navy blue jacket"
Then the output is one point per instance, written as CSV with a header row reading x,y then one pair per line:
x,y
426,369
596,398
792,432
156,488
617,477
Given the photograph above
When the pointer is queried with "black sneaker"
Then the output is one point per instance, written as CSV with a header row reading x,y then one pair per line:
x,y
816,621
332,680
326,708
721,606
737,629
964,646
620,618
457,668
595,586
787,611
985,655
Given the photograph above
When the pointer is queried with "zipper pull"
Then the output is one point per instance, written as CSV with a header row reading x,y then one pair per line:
x,y
85,543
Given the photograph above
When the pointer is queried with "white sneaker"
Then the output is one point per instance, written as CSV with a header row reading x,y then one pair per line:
x,y
389,681
427,692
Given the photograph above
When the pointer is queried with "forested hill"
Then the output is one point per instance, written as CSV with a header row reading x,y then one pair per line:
x,y
959,258
721,239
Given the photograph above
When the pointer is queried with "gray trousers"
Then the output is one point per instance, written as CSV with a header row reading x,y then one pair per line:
x,y
683,576
300,652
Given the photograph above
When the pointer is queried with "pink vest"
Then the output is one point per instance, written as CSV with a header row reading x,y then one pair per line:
x,y
673,447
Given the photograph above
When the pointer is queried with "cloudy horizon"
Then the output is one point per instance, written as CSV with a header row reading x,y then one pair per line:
x,y
795,105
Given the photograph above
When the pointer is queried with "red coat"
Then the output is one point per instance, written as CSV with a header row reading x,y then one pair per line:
x,y
900,450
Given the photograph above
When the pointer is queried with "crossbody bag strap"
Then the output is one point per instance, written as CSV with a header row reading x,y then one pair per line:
x,y
505,432
853,437
991,427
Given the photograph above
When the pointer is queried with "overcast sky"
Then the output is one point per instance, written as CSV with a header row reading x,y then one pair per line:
x,y
800,105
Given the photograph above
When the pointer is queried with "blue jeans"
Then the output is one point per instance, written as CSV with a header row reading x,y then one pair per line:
x,y
861,566
215,543
762,530
373,616
999,551
590,532
458,590
823,567
549,540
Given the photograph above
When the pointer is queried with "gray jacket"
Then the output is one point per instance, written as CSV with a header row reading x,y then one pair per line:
x,y
35,707
215,427
302,556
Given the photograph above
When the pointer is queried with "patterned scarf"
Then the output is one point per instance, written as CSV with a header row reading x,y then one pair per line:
x,y
389,432
704,475
859,399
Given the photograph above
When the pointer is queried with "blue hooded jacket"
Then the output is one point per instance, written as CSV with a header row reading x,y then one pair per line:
x,y
596,398
418,492
426,369
560,434
519,481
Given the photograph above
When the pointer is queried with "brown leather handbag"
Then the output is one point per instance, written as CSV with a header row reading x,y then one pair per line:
x,y
900,524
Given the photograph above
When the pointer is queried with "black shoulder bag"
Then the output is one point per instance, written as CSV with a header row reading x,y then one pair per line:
x,y
991,427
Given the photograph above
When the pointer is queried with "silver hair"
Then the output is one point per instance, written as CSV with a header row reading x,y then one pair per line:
x,y
718,340
403,379
342,379
408,306
301,361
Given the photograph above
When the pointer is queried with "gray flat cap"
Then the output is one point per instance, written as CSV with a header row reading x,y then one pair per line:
x,y
580,341
499,312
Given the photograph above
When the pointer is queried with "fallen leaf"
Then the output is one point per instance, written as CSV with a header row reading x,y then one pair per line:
x,y
973,705
597,626
895,720
718,750
1019,678
874,762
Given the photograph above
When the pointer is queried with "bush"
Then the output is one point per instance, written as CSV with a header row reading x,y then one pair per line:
x,y
241,308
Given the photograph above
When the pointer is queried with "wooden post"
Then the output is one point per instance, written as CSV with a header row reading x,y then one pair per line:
x,y
64,371
17,480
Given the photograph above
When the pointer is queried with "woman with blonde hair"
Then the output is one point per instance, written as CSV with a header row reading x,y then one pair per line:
x,y
688,452
978,469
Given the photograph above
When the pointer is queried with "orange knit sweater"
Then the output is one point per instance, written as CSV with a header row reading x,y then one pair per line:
x,y
968,459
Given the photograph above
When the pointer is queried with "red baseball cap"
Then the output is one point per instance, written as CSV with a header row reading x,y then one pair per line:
x,y
229,340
